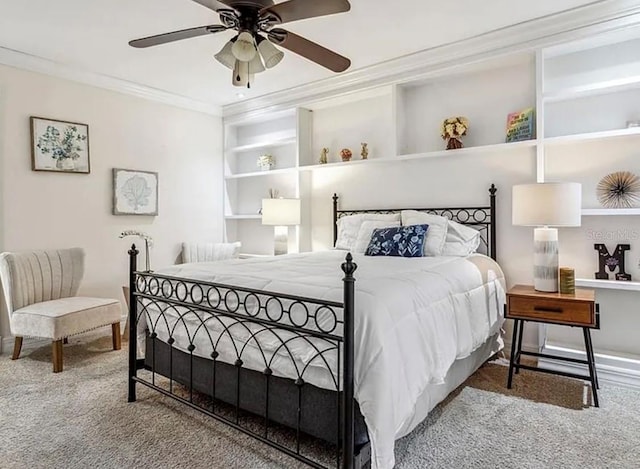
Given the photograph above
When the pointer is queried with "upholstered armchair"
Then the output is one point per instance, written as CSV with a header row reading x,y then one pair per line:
x,y
209,252
39,289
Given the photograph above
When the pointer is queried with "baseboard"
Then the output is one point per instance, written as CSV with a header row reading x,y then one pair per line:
x,y
526,347
28,343
615,370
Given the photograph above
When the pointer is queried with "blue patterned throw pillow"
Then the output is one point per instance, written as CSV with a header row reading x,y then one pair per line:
x,y
399,241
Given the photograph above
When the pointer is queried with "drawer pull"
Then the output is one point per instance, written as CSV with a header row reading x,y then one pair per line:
x,y
543,309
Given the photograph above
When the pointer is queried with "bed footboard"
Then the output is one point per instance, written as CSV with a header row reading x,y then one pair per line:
x,y
235,330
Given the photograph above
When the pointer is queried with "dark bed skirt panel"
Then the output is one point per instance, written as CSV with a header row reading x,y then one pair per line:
x,y
319,406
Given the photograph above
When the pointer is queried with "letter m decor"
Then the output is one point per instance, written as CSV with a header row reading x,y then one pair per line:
x,y
612,262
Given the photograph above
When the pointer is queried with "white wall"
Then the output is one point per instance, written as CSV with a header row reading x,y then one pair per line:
x,y
41,210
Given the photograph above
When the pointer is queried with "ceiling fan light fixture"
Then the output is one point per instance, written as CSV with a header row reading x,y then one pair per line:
x,y
241,75
244,48
225,56
270,53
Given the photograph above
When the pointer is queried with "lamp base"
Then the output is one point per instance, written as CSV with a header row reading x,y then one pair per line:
x,y
545,259
281,240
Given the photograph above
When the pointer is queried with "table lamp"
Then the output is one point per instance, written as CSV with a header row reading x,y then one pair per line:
x,y
546,205
281,213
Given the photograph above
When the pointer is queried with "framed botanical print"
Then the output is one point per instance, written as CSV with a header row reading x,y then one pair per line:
x,y
59,146
135,192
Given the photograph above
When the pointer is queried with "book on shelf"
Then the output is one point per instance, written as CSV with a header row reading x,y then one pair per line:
x,y
521,125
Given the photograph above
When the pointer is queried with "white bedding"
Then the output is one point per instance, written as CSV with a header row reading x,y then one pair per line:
x,y
414,318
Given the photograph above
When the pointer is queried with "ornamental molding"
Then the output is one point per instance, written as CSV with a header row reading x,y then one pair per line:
x,y
32,63
575,24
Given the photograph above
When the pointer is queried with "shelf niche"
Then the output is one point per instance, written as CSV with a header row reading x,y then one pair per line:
x,y
485,96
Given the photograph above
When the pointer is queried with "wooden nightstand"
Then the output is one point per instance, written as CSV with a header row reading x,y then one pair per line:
x,y
577,310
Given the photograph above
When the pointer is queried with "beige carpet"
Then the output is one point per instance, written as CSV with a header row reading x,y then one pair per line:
x,y
80,419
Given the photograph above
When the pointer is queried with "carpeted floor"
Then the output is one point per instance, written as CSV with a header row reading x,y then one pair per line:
x,y
80,419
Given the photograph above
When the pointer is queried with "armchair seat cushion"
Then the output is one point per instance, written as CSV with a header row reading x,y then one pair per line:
x,y
61,318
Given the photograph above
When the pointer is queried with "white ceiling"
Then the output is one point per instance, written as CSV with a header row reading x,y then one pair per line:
x,y
93,35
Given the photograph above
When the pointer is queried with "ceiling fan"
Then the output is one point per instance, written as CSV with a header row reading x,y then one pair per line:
x,y
256,22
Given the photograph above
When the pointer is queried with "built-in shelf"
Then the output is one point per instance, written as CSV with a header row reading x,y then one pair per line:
x,y
261,173
610,211
270,143
243,217
432,154
608,284
592,136
593,89
496,147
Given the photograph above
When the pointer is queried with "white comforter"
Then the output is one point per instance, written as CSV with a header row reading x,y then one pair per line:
x,y
414,318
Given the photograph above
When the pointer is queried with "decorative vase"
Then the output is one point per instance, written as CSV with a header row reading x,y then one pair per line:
x,y
59,163
365,151
324,156
454,143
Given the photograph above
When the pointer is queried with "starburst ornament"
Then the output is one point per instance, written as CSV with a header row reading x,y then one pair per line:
x,y
619,190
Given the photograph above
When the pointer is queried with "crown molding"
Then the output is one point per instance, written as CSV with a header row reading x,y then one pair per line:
x,y
578,23
32,63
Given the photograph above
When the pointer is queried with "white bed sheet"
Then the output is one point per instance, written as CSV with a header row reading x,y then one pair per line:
x,y
414,318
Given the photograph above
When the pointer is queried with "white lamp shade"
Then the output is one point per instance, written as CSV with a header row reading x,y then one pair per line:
x,y
547,204
270,53
244,48
225,56
256,65
280,212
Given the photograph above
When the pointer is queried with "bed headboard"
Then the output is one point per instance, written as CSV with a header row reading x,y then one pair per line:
x,y
482,218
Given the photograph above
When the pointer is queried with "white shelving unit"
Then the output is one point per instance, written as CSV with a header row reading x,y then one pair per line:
x,y
564,83
283,135
588,91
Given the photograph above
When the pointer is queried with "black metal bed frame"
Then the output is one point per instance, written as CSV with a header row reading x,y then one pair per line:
x,y
240,318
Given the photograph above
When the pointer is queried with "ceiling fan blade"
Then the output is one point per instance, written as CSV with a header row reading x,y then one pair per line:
x,y
214,4
176,36
310,50
295,10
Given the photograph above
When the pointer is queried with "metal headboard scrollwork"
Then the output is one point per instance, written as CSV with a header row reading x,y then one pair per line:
x,y
481,218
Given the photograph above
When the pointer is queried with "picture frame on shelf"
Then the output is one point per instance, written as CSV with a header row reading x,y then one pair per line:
x,y
59,146
135,192
521,125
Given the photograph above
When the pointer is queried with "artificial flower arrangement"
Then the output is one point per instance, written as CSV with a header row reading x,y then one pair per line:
x,y
452,129
266,162
148,243
346,154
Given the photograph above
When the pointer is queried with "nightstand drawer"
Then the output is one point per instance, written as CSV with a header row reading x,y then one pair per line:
x,y
580,313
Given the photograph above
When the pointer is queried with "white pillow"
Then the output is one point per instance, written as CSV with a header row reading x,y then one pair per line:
x,y
461,240
366,231
436,234
349,226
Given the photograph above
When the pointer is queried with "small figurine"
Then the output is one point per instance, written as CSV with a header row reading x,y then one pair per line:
x,y
324,156
346,154
365,151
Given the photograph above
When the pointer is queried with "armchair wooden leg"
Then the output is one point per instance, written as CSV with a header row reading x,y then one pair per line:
x,y
56,346
116,338
17,346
